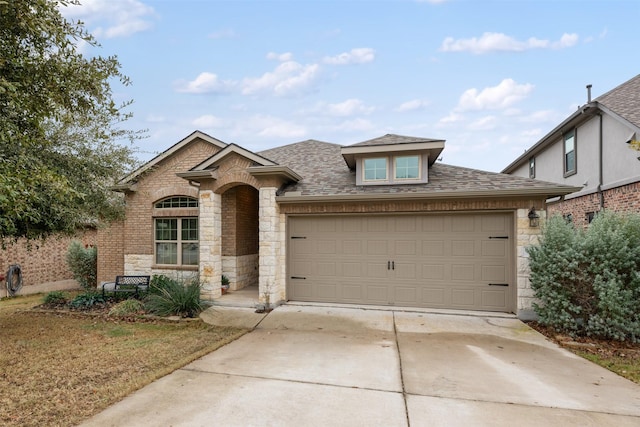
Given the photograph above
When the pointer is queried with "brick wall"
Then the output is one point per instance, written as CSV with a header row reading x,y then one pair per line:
x,y
229,213
159,183
625,198
110,251
42,262
246,220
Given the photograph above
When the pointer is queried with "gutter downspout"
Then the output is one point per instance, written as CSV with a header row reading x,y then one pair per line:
x,y
600,173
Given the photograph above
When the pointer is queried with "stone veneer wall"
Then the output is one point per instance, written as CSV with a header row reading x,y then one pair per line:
x,y
242,271
526,236
272,239
210,269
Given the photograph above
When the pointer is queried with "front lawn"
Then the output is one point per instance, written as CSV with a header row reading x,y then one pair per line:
x,y
59,369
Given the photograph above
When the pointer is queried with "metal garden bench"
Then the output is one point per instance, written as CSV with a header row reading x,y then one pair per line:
x,y
130,284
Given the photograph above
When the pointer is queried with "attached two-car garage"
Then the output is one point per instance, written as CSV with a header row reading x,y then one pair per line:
x,y
457,261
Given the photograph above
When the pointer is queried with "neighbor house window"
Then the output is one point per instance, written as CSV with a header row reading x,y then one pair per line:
x,y
176,241
375,169
407,167
570,153
532,167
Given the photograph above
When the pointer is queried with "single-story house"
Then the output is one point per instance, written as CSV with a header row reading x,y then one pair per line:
x,y
379,222
594,150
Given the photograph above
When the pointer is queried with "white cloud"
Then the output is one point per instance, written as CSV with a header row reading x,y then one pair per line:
x,y
204,83
289,78
499,42
483,123
112,18
355,56
207,121
348,108
542,116
413,105
502,96
282,57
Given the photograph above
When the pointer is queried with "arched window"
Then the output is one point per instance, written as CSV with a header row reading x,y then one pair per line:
x,y
176,238
177,202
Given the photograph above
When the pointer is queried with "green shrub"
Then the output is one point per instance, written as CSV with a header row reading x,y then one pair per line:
x,y
169,297
127,307
83,264
55,298
587,281
159,282
87,300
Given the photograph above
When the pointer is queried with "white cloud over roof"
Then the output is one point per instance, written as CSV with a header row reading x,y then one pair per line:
x,y
288,78
205,82
499,97
499,42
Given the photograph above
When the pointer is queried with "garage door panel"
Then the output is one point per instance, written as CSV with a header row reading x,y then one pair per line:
x,y
377,294
433,272
494,248
463,297
494,298
463,272
437,260
462,248
352,247
433,248
352,292
434,297
494,274
405,294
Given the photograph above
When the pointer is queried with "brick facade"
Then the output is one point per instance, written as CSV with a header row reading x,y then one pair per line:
x,y
625,198
43,263
127,247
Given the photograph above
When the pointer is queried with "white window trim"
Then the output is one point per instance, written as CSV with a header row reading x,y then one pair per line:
x,y
178,242
387,174
395,176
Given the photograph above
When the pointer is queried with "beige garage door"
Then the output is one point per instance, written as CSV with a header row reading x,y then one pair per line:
x,y
460,261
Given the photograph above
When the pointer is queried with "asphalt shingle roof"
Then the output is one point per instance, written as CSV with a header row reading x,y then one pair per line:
x,y
391,139
624,100
325,172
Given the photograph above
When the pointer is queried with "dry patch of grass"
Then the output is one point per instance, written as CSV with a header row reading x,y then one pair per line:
x,y
59,369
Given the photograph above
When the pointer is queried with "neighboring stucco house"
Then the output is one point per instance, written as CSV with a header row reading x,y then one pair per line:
x,y
591,149
379,222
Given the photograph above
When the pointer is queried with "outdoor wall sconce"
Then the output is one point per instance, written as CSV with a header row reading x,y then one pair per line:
x,y
534,218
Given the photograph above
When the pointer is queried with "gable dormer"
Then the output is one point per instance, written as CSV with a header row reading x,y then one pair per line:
x,y
392,159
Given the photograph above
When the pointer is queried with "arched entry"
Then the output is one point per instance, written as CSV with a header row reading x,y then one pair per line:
x,y
240,237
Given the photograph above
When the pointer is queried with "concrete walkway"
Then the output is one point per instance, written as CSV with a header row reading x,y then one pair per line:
x,y
335,366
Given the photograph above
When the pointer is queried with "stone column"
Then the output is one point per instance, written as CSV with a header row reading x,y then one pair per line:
x,y
527,236
271,283
210,244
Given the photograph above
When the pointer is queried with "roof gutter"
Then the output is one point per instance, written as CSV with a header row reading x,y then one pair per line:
x,y
296,197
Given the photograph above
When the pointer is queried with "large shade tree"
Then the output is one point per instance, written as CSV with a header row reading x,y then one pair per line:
x,y
62,140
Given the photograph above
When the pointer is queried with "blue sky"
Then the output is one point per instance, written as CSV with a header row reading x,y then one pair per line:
x,y
489,77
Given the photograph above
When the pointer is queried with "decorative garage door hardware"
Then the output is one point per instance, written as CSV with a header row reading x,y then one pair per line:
x,y
391,265
498,284
498,237
298,237
299,277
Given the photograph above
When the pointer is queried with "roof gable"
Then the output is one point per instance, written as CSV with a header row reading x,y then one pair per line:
x,y
227,151
125,182
622,103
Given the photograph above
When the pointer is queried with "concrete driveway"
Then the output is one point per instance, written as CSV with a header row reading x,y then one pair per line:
x,y
336,366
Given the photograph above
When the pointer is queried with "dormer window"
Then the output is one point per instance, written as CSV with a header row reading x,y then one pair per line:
x,y
407,167
375,169
392,159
